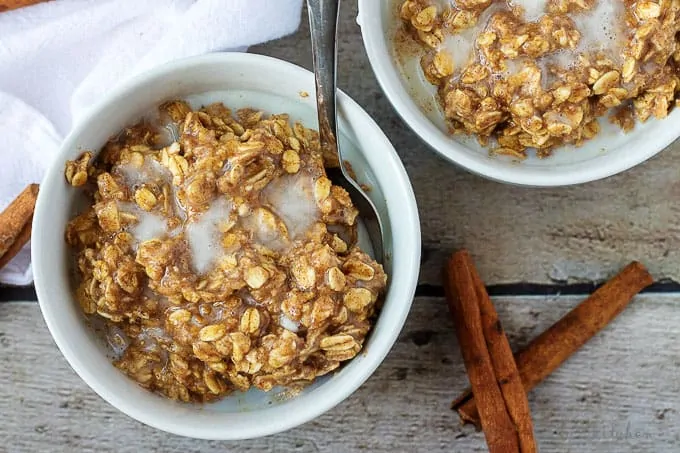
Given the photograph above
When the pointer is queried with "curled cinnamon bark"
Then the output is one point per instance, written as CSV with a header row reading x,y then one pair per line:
x,y
21,240
550,349
502,404
6,5
505,368
15,223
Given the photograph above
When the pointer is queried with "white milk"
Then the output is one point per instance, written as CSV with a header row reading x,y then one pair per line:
x,y
288,323
291,197
603,28
117,341
533,9
442,4
262,231
203,234
149,225
461,45
151,170
150,337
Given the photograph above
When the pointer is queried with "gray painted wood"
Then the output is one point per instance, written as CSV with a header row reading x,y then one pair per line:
x,y
575,234
618,394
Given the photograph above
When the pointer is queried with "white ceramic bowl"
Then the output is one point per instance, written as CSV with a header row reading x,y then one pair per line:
x,y
609,153
239,80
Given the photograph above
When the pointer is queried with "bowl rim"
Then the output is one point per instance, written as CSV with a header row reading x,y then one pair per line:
x,y
370,20
340,388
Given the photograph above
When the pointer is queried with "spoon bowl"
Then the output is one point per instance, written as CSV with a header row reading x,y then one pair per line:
x,y
323,21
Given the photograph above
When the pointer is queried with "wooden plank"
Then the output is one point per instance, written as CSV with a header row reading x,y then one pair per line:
x,y
581,233
620,393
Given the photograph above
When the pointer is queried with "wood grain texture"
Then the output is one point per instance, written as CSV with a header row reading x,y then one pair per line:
x,y
619,394
515,234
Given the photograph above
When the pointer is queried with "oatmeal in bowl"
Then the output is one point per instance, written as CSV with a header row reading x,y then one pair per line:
x,y
223,260
540,80
205,277
539,93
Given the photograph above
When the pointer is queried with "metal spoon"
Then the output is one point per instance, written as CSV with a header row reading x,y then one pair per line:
x,y
323,21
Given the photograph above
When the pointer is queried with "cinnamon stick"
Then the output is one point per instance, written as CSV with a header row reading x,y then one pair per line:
x,y
550,349
499,430
16,216
6,5
504,365
22,238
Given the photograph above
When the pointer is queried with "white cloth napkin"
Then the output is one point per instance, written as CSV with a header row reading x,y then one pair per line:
x,y
58,58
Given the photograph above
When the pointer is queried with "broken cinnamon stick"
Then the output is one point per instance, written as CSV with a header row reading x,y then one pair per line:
x,y
6,5
462,296
22,238
550,349
504,365
16,216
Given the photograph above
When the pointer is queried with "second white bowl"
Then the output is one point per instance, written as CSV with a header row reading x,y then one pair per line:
x,y
609,153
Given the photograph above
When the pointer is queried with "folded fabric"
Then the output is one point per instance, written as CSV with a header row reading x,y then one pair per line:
x,y
58,58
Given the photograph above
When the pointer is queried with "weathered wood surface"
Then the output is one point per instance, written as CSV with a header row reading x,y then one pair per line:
x,y
620,393
517,234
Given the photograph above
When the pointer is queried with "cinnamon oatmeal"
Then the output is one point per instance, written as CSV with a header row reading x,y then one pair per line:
x,y
219,255
539,76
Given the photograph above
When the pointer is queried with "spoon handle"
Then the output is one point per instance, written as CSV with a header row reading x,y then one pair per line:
x,y
323,21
